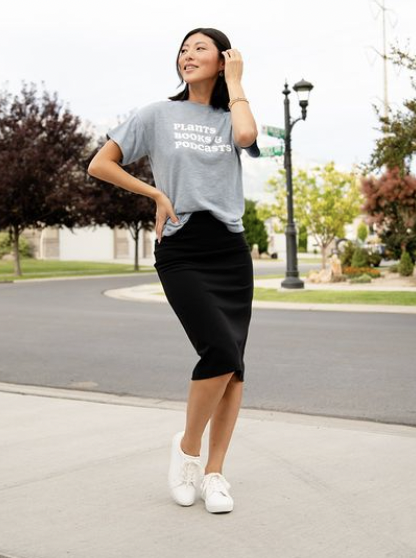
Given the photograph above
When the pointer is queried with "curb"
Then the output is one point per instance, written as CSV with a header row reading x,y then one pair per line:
x,y
317,420
76,277
153,292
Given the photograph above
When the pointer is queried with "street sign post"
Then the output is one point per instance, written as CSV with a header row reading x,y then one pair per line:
x,y
273,132
273,151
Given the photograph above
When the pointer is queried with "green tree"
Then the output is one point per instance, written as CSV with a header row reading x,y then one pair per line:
x,y
391,197
347,252
6,245
360,258
266,211
255,231
324,199
362,232
395,147
406,266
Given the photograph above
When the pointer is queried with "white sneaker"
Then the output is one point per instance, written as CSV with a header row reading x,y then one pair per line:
x,y
185,474
214,490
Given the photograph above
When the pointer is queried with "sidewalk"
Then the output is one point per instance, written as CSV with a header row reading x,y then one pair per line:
x,y
84,475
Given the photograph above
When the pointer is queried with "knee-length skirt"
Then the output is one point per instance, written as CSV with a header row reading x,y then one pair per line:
x,y
207,275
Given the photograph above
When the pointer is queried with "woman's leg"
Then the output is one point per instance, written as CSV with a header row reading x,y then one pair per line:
x,y
203,398
222,425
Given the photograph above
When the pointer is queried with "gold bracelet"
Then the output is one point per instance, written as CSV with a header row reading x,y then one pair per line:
x,y
230,104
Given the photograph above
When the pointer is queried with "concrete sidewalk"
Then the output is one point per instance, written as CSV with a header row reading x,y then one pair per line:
x,y
84,475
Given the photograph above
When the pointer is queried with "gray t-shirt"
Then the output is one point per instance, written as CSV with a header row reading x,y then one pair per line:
x,y
194,159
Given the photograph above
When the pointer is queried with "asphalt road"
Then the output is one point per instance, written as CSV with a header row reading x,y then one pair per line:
x,y
68,334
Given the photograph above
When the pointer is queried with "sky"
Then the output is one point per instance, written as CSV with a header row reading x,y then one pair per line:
x,y
105,59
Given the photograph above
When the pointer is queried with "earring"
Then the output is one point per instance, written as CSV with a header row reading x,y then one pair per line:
x,y
221,73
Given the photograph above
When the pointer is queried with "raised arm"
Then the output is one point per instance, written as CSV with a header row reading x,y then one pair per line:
x,y
242,120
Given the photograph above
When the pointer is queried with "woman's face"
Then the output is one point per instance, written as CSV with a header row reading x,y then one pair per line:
x,y
199,59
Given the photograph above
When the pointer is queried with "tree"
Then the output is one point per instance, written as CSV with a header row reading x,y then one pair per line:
x,y
397,144
406,266
255,231
325,200
360,257
42,181
390,202
362,232
390,198
117,207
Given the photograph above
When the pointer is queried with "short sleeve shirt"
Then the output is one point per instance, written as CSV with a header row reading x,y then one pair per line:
x,y
193,157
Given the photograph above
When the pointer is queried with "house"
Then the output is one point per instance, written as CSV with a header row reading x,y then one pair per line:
x,y
88,244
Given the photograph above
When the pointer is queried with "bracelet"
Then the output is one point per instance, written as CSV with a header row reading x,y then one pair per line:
x,y
230,104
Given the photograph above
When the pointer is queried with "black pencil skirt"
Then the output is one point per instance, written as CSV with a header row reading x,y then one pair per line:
x,y
207,275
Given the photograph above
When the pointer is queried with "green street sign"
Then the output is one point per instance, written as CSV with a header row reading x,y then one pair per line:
x,y
271,151
273,131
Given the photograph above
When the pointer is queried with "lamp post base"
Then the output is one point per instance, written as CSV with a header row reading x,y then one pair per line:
x,y
292,283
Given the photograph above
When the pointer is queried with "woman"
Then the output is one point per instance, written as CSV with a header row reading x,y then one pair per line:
x,y
194,141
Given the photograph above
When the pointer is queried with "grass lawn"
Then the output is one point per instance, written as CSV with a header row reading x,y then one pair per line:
x,y
329,297
35,269
340,297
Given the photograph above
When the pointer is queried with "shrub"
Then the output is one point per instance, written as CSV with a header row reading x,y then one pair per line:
x,y
357,271
362,231
364,278
406,265
347,253
394,268
360,258
6,247
374,259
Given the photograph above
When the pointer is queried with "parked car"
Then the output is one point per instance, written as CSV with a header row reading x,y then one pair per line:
x,y
376,249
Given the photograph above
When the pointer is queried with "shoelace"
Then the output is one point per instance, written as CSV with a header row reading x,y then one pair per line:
x,y
216,483
190,472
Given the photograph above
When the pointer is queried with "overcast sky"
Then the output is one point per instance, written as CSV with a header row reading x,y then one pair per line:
x,y
106,58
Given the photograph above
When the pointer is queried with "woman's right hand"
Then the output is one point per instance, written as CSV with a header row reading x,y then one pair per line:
x,y
163,211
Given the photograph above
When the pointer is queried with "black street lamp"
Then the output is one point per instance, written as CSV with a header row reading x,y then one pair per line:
x,y
292,281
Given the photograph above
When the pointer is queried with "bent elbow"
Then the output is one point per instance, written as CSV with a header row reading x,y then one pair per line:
x,y
246,138
92,169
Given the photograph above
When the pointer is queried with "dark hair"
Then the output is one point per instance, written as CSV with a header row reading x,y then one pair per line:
x,y
220,97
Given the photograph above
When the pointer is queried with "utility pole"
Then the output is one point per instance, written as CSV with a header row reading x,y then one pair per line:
x,y
386,101
383,54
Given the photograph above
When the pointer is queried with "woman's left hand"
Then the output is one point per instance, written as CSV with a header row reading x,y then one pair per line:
x,y
233,70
